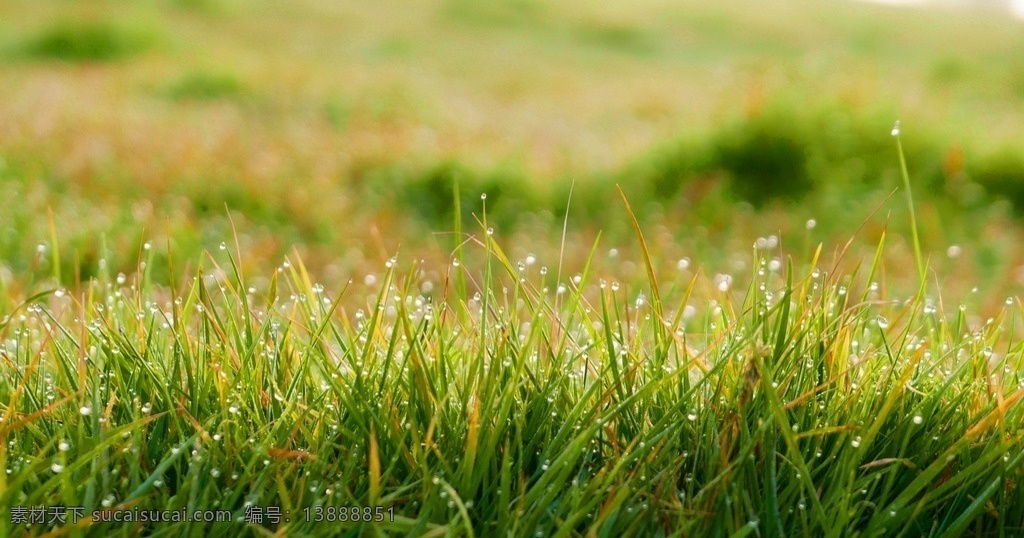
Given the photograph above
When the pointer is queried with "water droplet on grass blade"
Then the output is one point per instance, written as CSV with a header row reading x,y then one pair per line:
x,y
882,322
896,128
918,419
56,467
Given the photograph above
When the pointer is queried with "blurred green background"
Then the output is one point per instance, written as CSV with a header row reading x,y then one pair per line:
x,y
339,129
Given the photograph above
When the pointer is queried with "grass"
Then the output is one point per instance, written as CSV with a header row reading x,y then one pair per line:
x,y
90,41
251,267
206,86
814,400
300,117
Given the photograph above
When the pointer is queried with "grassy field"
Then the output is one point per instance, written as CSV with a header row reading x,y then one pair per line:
x,y
511,268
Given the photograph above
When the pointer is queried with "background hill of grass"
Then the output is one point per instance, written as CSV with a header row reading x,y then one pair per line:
x,y
341,126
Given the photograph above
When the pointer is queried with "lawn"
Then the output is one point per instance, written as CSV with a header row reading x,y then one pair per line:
x,y
518,269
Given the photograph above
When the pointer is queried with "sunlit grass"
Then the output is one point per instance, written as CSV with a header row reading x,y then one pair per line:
x,y
811,402
723,355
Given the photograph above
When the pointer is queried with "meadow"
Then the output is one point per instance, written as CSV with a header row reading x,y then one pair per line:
x,y
512,268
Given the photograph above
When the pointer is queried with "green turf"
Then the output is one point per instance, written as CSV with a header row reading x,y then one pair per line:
x,y
511,269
